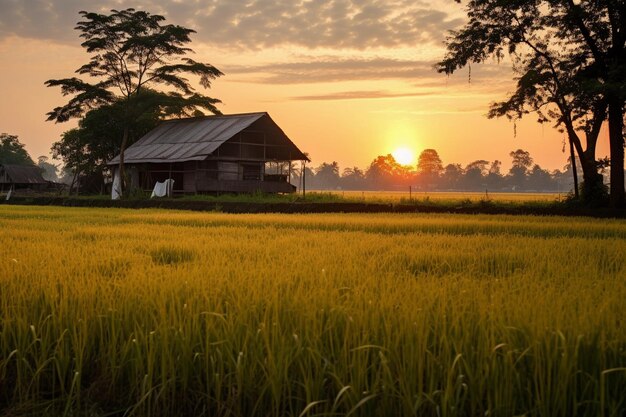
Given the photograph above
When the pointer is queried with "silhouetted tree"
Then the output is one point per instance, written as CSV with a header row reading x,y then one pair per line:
x,y
571,64
133,51
429,163
353,178
494,179
452,176
48,169
521,161
475,173
385,172
12,151
429,167
327,175
495,167
86,149
539,179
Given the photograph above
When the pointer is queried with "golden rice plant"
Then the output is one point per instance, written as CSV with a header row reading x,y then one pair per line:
x,y
165,313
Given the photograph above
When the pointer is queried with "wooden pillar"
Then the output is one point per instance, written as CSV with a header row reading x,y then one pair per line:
x,y
169,184
289,173
195,178
304,179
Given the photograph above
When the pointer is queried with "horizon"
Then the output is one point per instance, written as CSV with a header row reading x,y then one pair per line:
x,y
351,84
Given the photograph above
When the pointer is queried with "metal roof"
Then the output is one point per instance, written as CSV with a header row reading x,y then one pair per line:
x,y
21,174
191,139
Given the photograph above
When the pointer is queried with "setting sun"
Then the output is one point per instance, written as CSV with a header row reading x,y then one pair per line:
x,y
404,156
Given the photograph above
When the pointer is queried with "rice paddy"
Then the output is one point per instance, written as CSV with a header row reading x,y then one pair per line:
x,y
406,196
166,313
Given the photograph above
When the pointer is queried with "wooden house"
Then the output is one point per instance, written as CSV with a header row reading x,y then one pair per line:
x,y
20,177
213,154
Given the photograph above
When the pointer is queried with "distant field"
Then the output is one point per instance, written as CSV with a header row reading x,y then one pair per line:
x,y
166,313
396,196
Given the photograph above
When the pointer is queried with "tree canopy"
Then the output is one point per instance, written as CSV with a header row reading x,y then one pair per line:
x,y
570,63
12,152
384,173
429,163
133,54
85,150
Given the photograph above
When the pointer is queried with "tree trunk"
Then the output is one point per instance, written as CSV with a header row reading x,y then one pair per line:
x,y
616,140
573,164
304,180
592,179
122,172
74,181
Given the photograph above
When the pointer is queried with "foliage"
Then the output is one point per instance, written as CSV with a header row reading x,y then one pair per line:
x,y
48,169
385,170
570,61
12,151
133,53
429,163
353,178
521,159
153,313
86,149
384,173
327,173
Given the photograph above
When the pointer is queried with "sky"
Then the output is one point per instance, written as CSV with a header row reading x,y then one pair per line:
x,y
347,80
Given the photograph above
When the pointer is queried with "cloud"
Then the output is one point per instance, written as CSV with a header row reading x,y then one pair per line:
x,y
430,112
333,69
254,24
325,69
352,95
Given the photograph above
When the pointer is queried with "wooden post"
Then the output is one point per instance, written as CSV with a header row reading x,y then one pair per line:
x,y
195,178
289,174
303,179
169,183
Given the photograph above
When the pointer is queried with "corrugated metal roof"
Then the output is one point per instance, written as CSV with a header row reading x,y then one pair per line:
x,y
189,139
22,174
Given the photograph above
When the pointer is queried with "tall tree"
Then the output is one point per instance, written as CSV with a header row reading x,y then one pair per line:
x,y
475,173
494,177
385,172
133,51
12,151
327,175
429,163
353,178
452,176
571,65
86,149
521,161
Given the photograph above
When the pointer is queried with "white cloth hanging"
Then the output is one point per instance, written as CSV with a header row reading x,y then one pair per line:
x,y
162,189
116,188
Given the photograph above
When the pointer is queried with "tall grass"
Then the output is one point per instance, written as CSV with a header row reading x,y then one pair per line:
x,y
155,313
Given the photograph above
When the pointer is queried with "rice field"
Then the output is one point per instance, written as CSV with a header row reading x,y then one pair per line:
x,y
405,196
163,313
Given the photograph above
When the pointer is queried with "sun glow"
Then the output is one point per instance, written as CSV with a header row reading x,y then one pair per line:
x,y
404,156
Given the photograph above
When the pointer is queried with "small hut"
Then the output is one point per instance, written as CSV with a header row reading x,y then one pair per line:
x,y
238,153
21,177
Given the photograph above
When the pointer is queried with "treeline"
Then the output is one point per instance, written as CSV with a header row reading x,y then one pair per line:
x,y
12,152
430,174
384,173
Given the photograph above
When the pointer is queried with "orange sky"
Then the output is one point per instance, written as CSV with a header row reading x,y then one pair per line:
x,y
347,80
